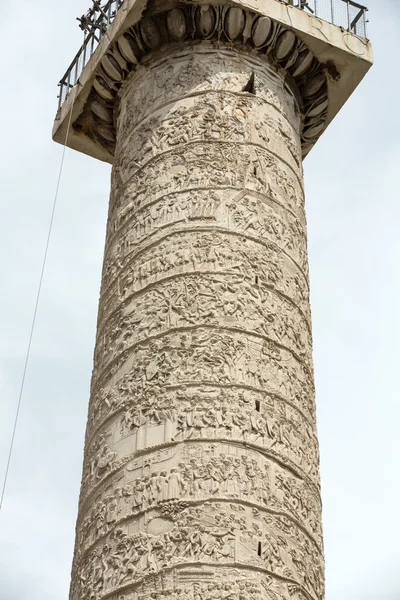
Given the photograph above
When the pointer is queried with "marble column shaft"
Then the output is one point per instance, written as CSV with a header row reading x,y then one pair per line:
x,y
201,471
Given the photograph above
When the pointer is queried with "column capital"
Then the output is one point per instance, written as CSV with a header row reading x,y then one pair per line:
x,y
322,62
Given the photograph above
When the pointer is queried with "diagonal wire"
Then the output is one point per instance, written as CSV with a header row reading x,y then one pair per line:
x,y
37,298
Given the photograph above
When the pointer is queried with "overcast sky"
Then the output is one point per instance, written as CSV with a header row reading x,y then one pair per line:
x,y
353,208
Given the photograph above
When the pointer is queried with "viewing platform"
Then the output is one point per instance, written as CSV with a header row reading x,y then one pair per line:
x,y
333,31
346,14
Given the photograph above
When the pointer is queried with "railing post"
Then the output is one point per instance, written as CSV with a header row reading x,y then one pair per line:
x,y
84,53
76,71
60,94
332,13
348,16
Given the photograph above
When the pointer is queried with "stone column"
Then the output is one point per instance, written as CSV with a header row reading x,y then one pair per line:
x,y
201,462
201,478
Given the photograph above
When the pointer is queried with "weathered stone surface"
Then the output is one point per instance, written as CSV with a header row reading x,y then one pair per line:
x,y
201,475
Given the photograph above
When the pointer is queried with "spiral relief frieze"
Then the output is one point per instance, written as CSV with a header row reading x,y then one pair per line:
x,y
201,456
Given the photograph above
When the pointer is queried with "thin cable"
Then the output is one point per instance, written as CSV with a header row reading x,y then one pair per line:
x,y
38,298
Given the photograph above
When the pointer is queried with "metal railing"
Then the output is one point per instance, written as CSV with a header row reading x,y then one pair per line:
x,y
344,13
93,35
347,14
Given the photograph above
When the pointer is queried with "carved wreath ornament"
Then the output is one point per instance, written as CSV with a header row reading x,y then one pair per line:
x,y
225,25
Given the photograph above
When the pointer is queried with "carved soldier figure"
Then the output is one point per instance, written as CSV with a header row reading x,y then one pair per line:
x,y
174,484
